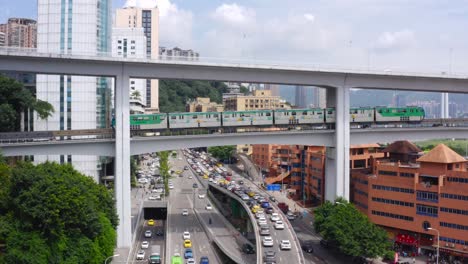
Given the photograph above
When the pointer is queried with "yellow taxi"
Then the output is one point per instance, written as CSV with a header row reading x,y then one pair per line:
x,y
255,208
178,172
151,222
251,194
205,177
187,243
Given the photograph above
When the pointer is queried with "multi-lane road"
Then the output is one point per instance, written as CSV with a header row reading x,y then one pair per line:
x,y
182,197
282,256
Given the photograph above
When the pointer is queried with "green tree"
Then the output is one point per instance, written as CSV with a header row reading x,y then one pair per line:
x,y
51,213
222,152
164,169
133,170
173,94
350,231
14,100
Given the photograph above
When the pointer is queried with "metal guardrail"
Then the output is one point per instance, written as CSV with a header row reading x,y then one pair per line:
x,y
252,218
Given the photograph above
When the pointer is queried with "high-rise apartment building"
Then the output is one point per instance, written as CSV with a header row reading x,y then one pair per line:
x,y
301,97
320,98
80,102
177,54
20,32
2,39
131,43
408,190
274,88
148,19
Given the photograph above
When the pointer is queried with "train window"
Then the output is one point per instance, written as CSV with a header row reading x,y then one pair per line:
x,y
319,113
173,117
380,111
268,114
162,117
215,115
329,112
242,115
194,116
304,113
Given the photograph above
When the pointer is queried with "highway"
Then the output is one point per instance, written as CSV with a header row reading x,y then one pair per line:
x,y
181,197
282,256
154,240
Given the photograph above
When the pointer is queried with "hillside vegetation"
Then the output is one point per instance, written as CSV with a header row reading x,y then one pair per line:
x,y
460,146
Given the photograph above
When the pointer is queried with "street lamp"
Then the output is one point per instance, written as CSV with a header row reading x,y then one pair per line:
x,y
116,255
438,237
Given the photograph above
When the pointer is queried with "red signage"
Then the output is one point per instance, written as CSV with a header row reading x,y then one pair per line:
x,y
407,239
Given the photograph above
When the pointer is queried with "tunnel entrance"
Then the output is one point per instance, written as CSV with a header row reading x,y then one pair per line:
x,y
156,210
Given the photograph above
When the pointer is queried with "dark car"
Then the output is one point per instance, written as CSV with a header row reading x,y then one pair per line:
x,y
241,182
195,185
307,246
248,249
159,232
269,210
204,260
265,204
273,199
270,256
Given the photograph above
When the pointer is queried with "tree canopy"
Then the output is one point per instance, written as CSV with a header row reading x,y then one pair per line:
x,y
14,100
51,213
350,231
164,169
173,94
223,153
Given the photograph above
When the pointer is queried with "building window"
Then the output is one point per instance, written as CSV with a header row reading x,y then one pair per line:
x,y
455,179
390,201
407,174
427,196
388,173
452,240
454,226
454,196
391,188
454,211
390,215
427,210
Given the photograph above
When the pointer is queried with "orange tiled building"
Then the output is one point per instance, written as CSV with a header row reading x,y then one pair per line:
x,y
407,190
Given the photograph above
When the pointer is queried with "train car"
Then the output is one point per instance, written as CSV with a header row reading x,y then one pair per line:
x,y
299,116
247,118
361,115
329,115
399,114
194,120
148,121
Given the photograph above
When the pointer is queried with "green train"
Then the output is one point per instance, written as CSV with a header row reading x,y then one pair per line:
x,y
281,117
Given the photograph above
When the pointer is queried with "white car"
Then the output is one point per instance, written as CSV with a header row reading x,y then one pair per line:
x,y
148,233
208,207
275,217
140,255
190,261
201,195
285,245
259,215
185,212
190,176
268,241
171,186
186,235
143,180
279,225
262,221
145,244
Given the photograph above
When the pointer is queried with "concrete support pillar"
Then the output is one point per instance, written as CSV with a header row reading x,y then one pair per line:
x,y
122,161
444,104
337,177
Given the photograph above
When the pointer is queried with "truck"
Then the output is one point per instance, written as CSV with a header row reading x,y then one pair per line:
x,y
155,256
283,207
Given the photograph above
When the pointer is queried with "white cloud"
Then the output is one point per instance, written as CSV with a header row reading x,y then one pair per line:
x,y
398,40
175,25
233,14
309,17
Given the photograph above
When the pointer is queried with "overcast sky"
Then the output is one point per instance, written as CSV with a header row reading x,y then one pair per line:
x,y
416,35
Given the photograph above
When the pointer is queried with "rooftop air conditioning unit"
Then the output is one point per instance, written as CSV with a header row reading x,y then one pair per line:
x,y
452,245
